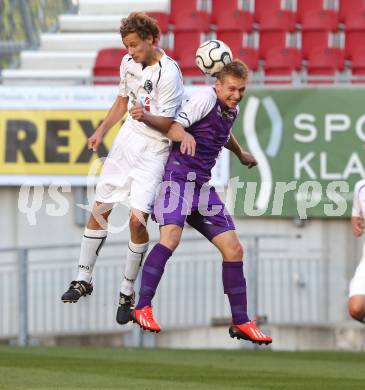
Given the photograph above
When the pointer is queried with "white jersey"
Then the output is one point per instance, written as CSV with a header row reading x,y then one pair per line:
x,y
196,106
158,88
357,284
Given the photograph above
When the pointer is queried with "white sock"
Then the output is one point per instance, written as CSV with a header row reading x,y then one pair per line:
x,y
135,255
91,243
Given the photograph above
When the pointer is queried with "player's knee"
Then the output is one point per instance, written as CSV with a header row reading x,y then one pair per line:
x,y
357,311
171,238
137,226
236,252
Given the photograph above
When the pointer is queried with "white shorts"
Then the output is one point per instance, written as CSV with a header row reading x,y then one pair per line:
x,y
357,284
133,170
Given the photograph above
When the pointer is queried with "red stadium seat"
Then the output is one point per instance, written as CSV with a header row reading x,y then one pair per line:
x,y
233,39
270,39
249,56
185,44
282,62
277,21
358,65
188,66
350,7
162,19
228,17
320,20
314,39
273,29
186,17
234,21
107,64
305,6
325,63
265,6
355,32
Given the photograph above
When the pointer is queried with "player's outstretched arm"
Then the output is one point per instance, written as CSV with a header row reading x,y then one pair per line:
x,y
246,158
115,114
357,226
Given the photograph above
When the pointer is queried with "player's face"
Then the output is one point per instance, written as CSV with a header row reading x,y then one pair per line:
x,y
230,90
141,50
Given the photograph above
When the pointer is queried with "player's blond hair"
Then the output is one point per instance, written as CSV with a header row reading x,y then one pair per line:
x,y
141,24
235,68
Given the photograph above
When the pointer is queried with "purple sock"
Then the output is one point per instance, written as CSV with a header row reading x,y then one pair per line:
x,y
151,274
234,284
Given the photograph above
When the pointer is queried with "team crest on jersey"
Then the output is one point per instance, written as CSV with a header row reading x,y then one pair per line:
x,y
148,86
225,114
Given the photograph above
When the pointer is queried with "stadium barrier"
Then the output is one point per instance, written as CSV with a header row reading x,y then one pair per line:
x,y
281,289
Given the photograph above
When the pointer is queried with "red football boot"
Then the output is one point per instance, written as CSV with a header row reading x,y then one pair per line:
x,y
249,331
144,318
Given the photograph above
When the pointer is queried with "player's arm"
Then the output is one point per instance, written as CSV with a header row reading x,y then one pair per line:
x,y
115,114
357,226
159,123
246,158
357,220
178,134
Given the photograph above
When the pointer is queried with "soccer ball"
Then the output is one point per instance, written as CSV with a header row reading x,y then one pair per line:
x,y
212,55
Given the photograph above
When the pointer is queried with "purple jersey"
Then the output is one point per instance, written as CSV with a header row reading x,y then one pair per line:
x,y
210,123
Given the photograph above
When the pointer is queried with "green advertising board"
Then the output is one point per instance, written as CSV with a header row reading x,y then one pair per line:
x,y
310,148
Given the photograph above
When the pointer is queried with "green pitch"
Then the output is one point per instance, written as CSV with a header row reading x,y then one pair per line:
x,y
154,369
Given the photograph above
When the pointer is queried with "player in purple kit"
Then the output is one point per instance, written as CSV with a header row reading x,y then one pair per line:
x,y
185,196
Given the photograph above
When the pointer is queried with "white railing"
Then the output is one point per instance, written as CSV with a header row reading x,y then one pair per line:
x,y
281,289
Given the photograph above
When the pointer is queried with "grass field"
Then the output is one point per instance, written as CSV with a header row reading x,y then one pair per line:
x,y
155,369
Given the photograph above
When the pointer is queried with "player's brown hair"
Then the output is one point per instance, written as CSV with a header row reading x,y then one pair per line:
x,y
235,68
142,24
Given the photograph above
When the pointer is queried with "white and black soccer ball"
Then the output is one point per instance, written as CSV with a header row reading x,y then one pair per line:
x,y
212,55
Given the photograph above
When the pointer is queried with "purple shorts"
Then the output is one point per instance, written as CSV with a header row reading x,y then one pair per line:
x,y
179,201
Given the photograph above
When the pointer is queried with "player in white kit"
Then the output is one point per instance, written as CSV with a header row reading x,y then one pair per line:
x,y
356,303
151,89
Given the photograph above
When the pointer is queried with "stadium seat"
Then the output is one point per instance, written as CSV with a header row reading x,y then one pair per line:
x,y
325,63
162,20
188,66
232,38
277,21
314,39
354,40
186,17
273,29
350,7
264,6
355,32
358,65
282,62
228,17
107,64
270,39
249,56
305,6
320,20
185,44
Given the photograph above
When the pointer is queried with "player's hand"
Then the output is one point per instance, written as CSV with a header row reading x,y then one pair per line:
x,y
137,113
188,145
357,226
95,140
248,159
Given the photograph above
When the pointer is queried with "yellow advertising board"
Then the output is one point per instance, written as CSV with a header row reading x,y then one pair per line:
x,y
50,142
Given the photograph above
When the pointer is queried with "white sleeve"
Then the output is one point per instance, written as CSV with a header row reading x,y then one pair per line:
x,y
170,91
195,107
123,89
359,199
